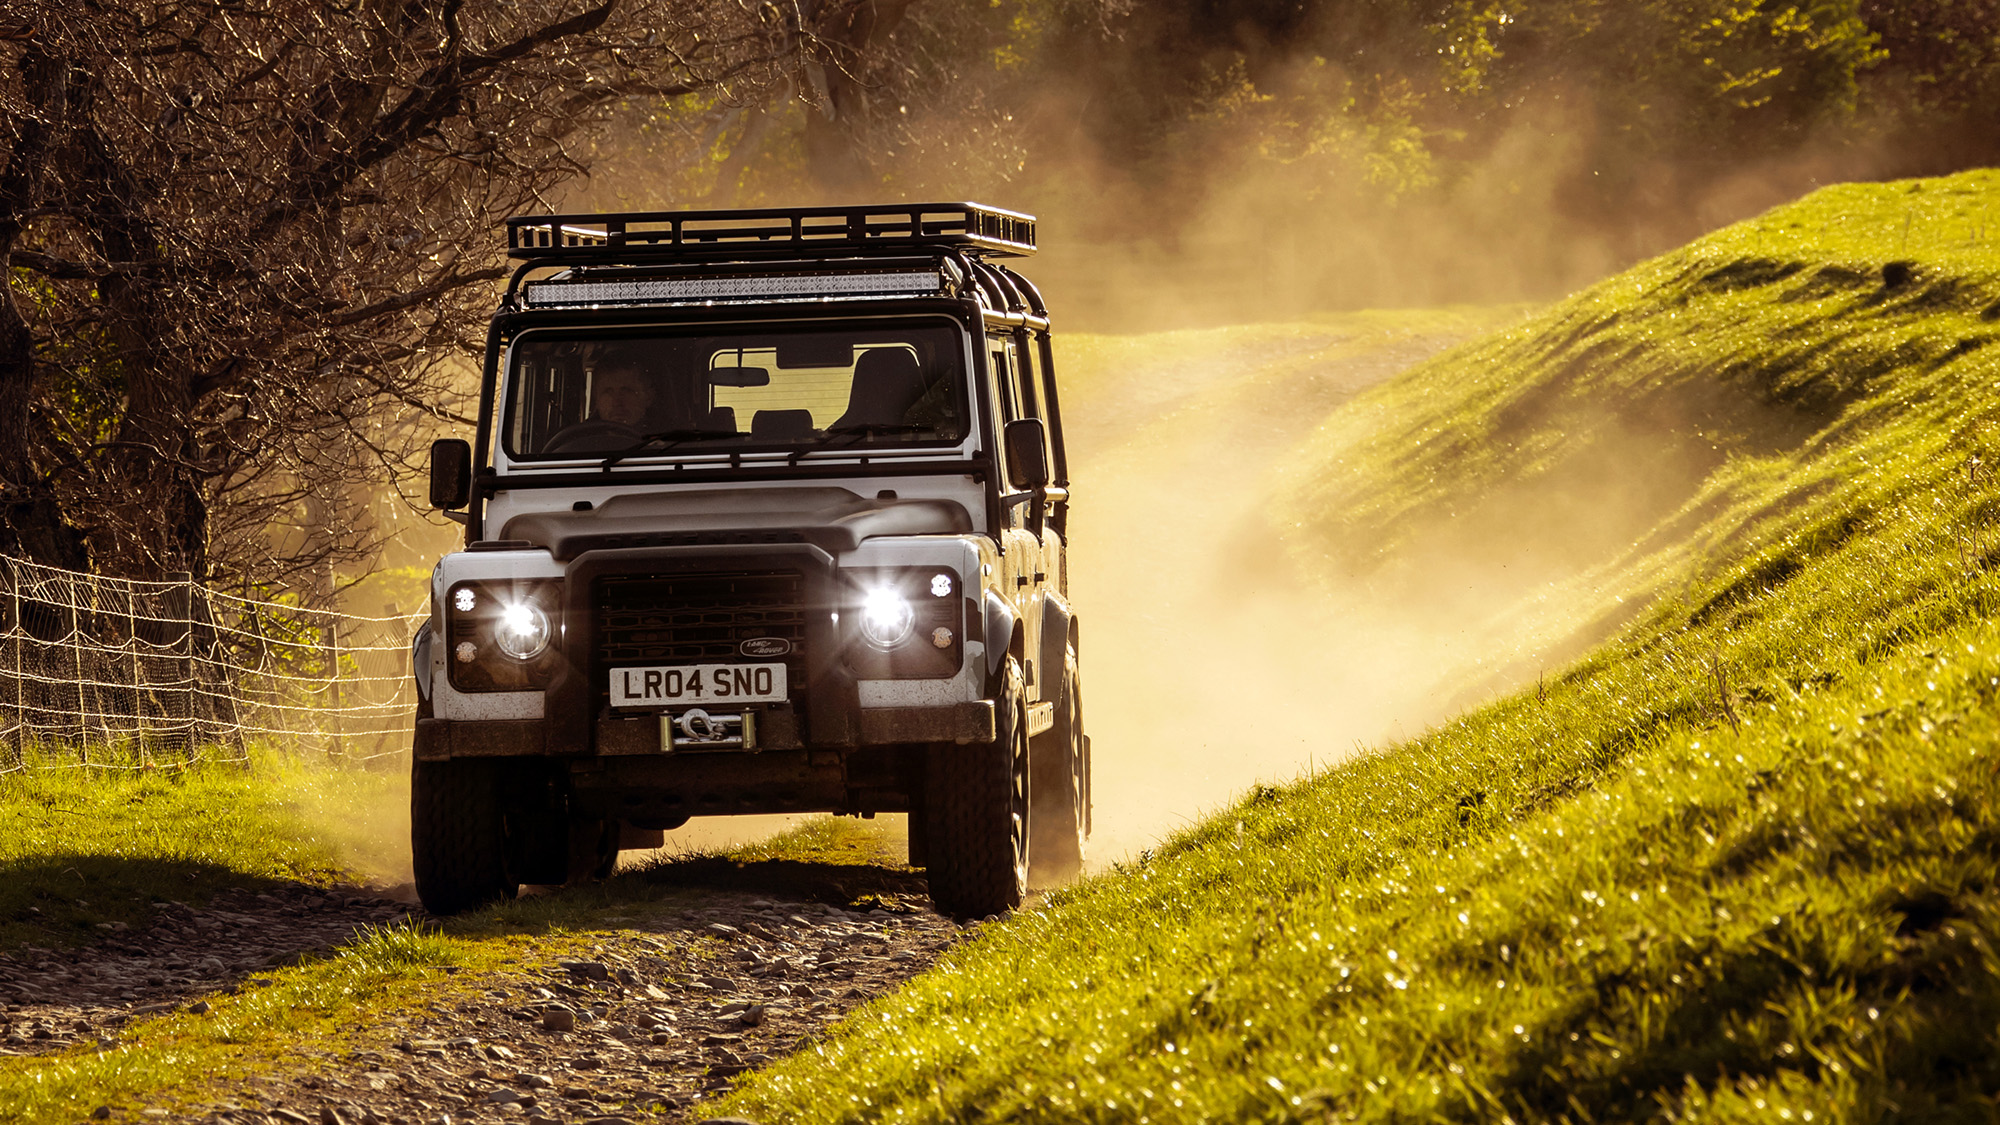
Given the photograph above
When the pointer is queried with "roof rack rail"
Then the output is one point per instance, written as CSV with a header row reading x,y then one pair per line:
x,y
670,235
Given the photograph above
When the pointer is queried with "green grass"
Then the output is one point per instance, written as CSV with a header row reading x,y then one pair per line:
x,y
85,846
1582,429
1741,861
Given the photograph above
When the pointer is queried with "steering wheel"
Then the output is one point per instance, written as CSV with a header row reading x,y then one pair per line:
x,y
593,435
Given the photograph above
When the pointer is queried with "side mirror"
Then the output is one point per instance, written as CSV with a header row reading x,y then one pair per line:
x,y
451,473
1027,453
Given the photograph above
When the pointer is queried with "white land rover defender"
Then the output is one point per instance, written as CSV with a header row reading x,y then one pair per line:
x,y
765,513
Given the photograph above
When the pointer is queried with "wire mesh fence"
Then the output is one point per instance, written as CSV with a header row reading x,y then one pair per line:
x,y
121,673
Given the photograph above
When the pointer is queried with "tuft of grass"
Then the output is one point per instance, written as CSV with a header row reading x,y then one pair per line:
x,y
82,847
1740,861
831,840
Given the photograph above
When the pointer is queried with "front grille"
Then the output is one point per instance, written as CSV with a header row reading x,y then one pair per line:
x,y
572,546
700,618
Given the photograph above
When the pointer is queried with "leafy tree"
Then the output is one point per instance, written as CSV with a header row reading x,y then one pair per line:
x,y
1935,96
1616,121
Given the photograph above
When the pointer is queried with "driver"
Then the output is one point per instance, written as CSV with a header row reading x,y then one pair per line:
x,y
621,392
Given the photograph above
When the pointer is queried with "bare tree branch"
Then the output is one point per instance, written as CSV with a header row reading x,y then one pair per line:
x,y
251,248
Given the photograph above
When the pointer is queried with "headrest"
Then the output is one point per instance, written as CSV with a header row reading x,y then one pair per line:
x,y
887,382
781,425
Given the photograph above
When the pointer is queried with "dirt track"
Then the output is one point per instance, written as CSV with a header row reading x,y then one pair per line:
x,y
647,1021
639,1020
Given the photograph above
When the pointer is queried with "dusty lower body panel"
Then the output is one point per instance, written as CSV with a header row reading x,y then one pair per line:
x,y
665,790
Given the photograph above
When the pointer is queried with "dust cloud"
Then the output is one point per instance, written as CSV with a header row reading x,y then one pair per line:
x,y
359,813
1235,240
1210,663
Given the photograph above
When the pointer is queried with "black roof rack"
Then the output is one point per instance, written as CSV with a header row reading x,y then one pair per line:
x,y
682,235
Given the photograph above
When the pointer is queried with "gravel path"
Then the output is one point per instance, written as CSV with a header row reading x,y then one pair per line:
x,y
642,1022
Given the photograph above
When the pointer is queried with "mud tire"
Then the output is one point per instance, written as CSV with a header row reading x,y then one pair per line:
x,y
458,838
1057,799
977,816
593,849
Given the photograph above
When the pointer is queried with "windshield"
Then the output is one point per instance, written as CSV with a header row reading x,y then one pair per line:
x,y
635,393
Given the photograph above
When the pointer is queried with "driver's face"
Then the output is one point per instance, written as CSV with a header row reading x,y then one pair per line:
x,y
621,395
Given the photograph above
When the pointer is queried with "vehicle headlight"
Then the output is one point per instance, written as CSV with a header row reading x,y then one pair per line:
x,y
503,633
903,622
886,617
522,631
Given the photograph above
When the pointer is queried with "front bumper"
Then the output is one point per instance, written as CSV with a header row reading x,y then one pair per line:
x,y
639,736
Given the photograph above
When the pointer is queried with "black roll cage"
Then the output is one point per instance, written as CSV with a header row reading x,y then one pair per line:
x,y
732,234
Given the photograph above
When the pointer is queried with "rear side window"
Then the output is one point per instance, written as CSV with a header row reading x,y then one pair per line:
x,y
1026,395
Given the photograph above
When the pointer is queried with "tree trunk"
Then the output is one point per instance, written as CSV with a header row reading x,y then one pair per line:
x,y
31,518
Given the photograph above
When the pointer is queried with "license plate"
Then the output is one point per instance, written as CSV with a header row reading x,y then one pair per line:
x,y
690,684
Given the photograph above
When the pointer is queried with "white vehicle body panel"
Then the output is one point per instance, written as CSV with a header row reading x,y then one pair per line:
x,y
448,702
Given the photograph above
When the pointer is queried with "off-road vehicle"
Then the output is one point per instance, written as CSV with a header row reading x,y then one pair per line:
x,y
765,513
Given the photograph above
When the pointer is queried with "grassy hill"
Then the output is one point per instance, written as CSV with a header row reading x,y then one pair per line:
x,y
1740,860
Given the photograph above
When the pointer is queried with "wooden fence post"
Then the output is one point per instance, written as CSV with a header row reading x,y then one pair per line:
x,y
178,609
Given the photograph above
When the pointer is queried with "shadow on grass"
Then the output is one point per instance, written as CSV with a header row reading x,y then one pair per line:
x,y
691,881
61,900
838,884
1926,1049
1889,982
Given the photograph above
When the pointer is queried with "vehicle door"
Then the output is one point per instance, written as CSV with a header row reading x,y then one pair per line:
x,y
1034,375
1024,573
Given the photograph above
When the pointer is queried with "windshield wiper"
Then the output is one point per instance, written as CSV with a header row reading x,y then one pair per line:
x,y
665,439
871,429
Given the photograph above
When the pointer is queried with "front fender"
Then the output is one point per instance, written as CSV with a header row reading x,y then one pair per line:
x,y
420,660
1000,621
1056,618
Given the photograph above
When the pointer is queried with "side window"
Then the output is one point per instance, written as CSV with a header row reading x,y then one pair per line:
x,y
1016,378
1015,390
997,356
549,392
1005,390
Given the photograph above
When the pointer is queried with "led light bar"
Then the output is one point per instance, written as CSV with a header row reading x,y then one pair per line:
x,y
640,291
711,235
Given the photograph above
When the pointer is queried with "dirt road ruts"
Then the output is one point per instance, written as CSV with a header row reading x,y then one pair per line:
x,y
652,1019
641,1017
